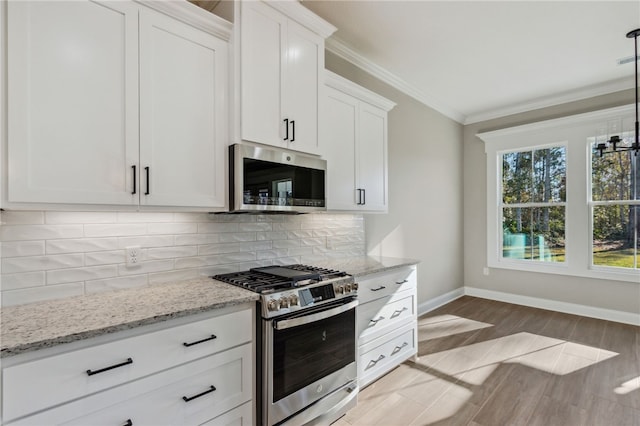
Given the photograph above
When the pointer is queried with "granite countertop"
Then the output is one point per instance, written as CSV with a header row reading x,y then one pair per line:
x,y
39,325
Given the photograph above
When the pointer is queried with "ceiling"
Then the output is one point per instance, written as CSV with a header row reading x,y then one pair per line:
x,y
476,60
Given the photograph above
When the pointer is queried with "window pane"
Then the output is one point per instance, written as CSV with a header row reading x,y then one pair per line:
x,y
615,235
534,233
549,175
612,178
517,177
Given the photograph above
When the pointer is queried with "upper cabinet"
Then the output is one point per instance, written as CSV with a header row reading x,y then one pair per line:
x,y
281,62
353,133
114,103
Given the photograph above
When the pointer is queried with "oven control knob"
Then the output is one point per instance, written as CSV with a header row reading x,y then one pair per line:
x,y
272,305
284,302
347,288
293,300
340,289
355,286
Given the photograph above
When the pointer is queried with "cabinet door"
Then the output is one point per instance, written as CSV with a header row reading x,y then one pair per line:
x,y
305,59
338,138
183,86
372,157
262,57
72,102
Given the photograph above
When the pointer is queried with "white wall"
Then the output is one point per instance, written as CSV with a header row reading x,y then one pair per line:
x,y
597,293
51,255
425,189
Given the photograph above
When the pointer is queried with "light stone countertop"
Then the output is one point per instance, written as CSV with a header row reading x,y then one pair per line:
x,y
39,325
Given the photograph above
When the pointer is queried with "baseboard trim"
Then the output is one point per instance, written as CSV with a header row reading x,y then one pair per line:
x,y
438,301
554,305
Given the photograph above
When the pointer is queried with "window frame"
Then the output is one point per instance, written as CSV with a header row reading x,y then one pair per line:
x,y
573,133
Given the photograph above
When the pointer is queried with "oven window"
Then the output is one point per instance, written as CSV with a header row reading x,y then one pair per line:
x,y
309,352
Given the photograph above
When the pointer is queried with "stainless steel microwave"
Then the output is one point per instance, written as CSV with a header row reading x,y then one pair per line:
x,y
275,180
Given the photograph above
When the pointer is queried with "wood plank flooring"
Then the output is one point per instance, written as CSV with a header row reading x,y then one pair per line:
x,y
488,363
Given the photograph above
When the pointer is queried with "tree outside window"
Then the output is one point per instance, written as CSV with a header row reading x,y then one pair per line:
x,y
533,204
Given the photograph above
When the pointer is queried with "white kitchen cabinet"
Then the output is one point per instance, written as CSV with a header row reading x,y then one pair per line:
x,y
167,382
387,324
353,134
104,94
281,61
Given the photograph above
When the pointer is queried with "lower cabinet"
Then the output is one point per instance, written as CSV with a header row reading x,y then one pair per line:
x,y
209,388
387,322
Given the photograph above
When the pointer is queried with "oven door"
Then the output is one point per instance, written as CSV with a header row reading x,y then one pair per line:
x,y
308,356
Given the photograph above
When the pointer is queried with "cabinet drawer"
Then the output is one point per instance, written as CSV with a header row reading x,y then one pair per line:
x,y
384,315
49,381
385,283
159,399
241,416
384,353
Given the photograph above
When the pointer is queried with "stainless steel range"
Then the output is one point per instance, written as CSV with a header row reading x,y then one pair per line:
x,y
306,347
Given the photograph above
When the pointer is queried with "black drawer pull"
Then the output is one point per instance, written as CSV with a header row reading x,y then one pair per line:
x,y
286,129
102,370
211,389
134,179
398,348
375,321
375,361
379,288
213,336
402,282
146,169
397,312
128,423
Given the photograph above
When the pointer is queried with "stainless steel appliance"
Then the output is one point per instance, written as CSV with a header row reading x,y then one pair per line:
x,y
306,347
275,180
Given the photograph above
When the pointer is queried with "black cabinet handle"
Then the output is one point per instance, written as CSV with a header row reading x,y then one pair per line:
x,y
286,129
134,180
102,370
378,289
359,197
146,169
213,336
364,197
402,282
293,130
187,399
128,423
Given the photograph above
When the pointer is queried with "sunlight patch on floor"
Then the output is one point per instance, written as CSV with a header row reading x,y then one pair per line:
x,y
446,325
628,386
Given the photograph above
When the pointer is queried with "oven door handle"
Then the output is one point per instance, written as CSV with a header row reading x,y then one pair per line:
x,y
294,322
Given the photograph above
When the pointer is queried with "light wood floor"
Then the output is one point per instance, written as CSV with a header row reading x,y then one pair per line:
x,y
487,363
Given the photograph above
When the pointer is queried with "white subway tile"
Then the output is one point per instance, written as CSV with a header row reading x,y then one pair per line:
x,y
173,276
299,251
60,276
300,233
230,258
274,235
171,252
106,257
312,242
232,218
235,237
115,230
289,260
190,262
197,239
39,232
172,228
146,267
80,217
144,217
146,242
286,226
286,243
76,245
22,248
271,254
216,227
260,226
117,283
41,263
38,294
22,280
190,217
22,218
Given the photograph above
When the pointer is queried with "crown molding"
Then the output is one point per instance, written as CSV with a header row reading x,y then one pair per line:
x,y
345,52
294,10
340,83
566,97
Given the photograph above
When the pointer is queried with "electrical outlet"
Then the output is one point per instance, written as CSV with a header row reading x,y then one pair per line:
x,y
485,271
132,255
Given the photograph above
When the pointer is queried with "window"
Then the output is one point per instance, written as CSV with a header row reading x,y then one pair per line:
x,y
555,206
615,209
533,204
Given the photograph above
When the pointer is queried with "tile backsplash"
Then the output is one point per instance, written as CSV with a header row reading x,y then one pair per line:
x,y
50,255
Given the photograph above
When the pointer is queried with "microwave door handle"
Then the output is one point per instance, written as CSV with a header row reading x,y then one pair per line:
x,y
294,322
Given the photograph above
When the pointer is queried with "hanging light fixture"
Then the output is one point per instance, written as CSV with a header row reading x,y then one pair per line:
x,y
612,145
